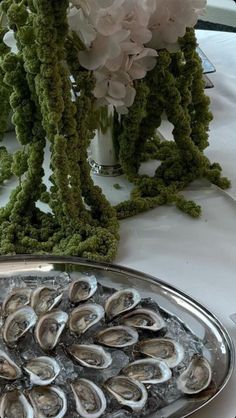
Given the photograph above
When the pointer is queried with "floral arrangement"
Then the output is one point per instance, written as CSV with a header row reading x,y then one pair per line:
x,y
137,55
121,40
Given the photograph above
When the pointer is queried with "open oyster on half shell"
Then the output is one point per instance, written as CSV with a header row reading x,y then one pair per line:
x,y
165,349
48,402
45,298
91,355
144,319
148,371
82,289
84,317
121,302
15,405
127,392
196,377
18,323
8,368
18,298
42,371
90,399
118,336
49,329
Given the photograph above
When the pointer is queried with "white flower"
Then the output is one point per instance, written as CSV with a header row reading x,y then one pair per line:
x,y
115,33
122,38
137,19
86,5
81,25
104,48
170,20
9,40
114,89
108,20
138,65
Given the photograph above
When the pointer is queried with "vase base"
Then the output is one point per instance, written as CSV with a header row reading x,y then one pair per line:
x,y
105,170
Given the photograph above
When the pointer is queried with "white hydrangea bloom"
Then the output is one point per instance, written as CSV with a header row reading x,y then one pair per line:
x,y
81,25
114,88
122,38
170,20
85,5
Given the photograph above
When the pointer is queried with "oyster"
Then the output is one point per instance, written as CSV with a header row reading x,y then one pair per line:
x,y
90,399
8,369
122,301
49,329
48,401
163,348
15,405
127,392
144,319
45,298
84,317
196,377
18,323
119,336
149,371
91,355
42,370
16,299
82,289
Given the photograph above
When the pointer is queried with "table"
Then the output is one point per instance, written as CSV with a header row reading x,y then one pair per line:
x,y
221,11
195,255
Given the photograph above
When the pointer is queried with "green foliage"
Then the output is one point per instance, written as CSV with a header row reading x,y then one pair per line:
x,y
36,84
5,165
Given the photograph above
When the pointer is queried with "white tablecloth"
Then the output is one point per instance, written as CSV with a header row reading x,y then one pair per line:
x,y
195,255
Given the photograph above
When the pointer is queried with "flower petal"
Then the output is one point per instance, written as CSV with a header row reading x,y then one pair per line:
x,y
116,90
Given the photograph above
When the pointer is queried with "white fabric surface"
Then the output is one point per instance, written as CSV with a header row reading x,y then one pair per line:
x,y
197,256
221,11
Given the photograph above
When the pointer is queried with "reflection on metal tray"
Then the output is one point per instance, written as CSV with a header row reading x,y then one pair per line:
x,y
208,67
215,341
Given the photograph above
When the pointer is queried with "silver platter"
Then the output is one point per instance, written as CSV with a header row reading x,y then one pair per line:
x,y
202,323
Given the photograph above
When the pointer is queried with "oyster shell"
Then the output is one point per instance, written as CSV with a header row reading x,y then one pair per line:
x,y
48,402
8,368
42,370
49,329
163,348
84,317
196,377
90,399
45,298
82,289
144,319
119,336
122,301
16,299
91,355
128,392
149,371
15,405
18,323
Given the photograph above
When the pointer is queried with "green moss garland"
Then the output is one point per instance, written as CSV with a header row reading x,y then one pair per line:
x,y
5,91
37,83
176,88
